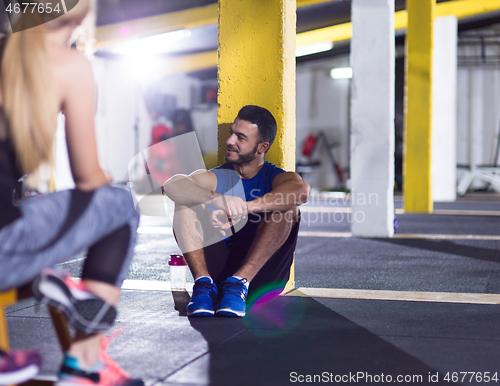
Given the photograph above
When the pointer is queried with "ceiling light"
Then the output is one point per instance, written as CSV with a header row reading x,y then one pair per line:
x,y
314,48
341,73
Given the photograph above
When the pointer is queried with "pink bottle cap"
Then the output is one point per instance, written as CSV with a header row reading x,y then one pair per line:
x,y
176,260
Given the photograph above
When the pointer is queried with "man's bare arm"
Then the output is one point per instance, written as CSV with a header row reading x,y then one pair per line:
x,y
191,190
198,188
289,191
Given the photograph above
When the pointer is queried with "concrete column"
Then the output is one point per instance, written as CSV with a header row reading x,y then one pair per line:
x,y
444,107
476,120
257,66
372,118
418,109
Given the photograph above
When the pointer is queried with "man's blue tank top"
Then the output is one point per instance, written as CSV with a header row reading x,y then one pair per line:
x,y
229,183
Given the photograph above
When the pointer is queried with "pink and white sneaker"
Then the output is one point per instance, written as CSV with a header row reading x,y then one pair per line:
x,y
104,373
18,366
84,310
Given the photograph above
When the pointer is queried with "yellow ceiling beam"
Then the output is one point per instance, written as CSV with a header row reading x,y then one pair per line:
x,y
153,25
188,63
460,8
304,3
335,33
196,17
207,15
189,18
467,8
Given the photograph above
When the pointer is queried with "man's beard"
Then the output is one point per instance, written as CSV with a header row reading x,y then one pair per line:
x,y
245,158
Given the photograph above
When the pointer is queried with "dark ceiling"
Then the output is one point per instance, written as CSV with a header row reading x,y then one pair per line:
x,y
117,11
205,38
308,17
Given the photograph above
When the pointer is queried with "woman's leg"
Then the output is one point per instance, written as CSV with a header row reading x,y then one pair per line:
x,y
57,226
101,277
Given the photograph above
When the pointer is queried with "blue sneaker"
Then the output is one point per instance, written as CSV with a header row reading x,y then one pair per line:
x,y
204,295
234,296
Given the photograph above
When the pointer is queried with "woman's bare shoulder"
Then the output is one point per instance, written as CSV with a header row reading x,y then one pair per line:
x,y
72,72
69,62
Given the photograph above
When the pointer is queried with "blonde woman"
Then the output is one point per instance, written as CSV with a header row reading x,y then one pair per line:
x,y
40,77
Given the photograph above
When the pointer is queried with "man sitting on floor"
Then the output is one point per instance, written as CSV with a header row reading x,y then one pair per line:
x,y
266,218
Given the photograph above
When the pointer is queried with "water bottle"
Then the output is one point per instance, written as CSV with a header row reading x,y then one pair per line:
x,y
178,272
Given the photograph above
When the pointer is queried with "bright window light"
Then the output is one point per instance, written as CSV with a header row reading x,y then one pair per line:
x,y
157,44
341,73
314,48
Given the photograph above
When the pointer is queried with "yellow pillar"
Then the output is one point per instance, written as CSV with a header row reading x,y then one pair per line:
x,y
6,299
256,66
418,109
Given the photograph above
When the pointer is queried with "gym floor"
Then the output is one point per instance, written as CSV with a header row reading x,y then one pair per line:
x,y
419,308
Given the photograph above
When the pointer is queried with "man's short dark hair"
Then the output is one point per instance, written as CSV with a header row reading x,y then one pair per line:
x,y
263,119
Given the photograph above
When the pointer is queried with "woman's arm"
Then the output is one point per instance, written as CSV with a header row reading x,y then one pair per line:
x,y
75,81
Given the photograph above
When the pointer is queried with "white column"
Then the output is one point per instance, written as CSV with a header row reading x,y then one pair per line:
x,y
476,121
444,117
372,118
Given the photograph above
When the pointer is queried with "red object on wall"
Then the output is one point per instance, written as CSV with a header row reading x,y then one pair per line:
x,y
160,133
163,162
309,144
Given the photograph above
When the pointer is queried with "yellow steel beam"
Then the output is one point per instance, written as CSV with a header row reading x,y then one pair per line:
x,y
250,30
418,106
6,299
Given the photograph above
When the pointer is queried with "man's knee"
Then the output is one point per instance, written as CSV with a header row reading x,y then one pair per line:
x,y
190,216
183,210
288,218
193,224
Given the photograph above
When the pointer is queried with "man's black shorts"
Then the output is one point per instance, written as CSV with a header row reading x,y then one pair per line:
x,y
223,261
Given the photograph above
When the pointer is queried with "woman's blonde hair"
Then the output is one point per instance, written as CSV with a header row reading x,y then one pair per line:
x,y
27,87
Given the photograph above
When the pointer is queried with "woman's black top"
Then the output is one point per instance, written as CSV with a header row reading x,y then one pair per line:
x,y
9,173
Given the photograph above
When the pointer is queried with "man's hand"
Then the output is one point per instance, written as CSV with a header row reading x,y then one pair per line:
x,y
220,220
230,211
